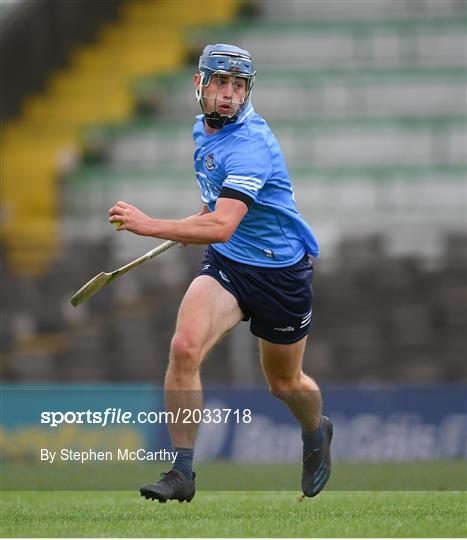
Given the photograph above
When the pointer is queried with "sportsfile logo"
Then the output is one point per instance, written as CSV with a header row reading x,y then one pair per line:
x,y
113,415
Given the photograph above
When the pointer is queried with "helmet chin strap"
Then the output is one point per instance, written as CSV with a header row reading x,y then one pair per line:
x,y
214,119
217,121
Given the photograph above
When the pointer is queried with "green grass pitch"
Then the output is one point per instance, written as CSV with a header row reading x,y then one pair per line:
x,y
362,500
235,514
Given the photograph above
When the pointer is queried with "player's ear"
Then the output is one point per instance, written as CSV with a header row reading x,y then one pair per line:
x,y
197,80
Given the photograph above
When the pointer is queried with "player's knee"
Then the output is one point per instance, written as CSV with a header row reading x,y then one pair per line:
x,y
282,388
184,354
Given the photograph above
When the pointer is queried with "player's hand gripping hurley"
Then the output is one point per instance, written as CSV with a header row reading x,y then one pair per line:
x,y
95,284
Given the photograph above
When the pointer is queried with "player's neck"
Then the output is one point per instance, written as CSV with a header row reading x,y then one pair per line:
x,y
209,130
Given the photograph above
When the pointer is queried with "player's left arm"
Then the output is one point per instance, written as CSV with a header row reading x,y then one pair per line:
x,y
204,228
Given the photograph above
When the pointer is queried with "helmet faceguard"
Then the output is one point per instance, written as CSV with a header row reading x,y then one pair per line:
x,y
218,60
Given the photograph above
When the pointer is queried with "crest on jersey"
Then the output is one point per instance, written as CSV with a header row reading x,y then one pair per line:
x,y
210,165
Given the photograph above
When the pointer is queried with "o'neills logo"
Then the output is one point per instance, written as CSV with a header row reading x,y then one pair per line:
x,y
286,329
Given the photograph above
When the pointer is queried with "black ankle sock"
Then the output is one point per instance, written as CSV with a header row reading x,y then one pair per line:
x,y
312,440
184,461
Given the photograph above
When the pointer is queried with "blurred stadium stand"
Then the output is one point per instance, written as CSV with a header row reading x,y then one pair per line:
x,y
37,36
368,102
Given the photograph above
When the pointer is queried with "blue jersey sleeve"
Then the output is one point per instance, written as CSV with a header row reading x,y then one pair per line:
x,y
248,166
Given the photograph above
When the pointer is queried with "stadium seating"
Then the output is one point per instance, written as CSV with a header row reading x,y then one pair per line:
x,y
94,88
364,123
317,44
357,10
300,94
424,142
367,101
370,113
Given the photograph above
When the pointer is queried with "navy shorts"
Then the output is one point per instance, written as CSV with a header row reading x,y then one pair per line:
x,y
277,300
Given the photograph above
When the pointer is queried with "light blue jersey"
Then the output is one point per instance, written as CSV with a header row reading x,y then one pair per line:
x,y
246,157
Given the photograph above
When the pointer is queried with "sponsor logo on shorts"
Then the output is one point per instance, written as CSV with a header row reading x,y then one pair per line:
x,y
286,329
223,276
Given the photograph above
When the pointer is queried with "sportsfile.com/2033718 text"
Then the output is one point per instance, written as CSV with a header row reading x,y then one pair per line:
x,y
112,416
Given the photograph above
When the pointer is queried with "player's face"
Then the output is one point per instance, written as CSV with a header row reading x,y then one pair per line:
x,y
225,94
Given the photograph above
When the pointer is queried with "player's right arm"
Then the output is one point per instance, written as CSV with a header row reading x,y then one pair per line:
x,y
204,210
205,228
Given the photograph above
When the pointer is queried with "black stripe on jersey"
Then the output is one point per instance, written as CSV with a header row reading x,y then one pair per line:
x,y
229,193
